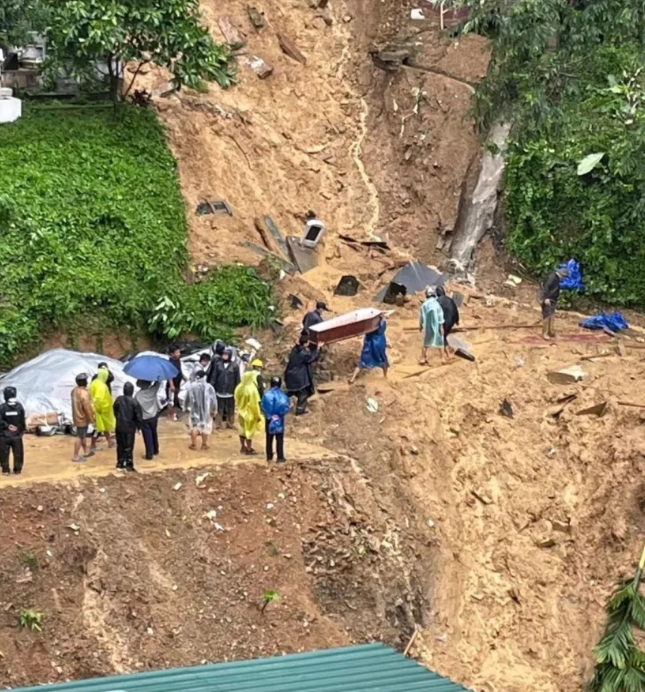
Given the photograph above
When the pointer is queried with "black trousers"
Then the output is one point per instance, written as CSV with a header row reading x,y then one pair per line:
x,y
150,438
279,438
7,445
302,397
226,408
124,450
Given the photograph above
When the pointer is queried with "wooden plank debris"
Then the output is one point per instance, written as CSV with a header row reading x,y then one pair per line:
x,y
290,49
566,375
628,403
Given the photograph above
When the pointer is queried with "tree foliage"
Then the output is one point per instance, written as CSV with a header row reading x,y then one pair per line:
x,y
18,18
568,74
93,235
167,33
620,663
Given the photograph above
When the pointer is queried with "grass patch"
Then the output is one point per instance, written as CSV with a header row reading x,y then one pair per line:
x,y
93,232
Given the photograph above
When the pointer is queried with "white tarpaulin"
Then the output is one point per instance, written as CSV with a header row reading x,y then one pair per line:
x,y
45,383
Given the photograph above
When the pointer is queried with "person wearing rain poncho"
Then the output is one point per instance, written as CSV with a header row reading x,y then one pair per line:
x,y
103,405
201,402
275,406
431,321
249,414
374,353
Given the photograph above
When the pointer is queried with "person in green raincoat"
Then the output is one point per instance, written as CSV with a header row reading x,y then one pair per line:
x,y
103,405
431,323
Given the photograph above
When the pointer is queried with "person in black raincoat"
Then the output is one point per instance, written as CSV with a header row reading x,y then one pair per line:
x,y
298,376
225,376
314,317
450,315
12,428
128,416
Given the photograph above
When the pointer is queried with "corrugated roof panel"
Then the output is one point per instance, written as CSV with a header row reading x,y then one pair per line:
x,y
364,668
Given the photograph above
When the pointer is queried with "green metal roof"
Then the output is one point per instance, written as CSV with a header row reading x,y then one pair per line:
x,y
365,668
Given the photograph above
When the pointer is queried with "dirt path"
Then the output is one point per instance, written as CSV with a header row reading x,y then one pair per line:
x,y
48,459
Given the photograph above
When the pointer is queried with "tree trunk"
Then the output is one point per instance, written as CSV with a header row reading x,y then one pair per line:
x,y
114,81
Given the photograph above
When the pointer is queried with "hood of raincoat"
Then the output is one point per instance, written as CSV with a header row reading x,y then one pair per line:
x,y
103,374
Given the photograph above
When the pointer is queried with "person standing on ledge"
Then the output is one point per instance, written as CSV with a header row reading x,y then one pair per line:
x,y
298,376
431,322
549,296
12,428
275,406
128,415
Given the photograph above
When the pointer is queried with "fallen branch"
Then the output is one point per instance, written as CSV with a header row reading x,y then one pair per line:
x,y
628,403
411,642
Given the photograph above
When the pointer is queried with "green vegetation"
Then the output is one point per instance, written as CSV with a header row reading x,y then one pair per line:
x,y
569,76
30,559
167,33
31,619
269,597
620,663
93,234
20,17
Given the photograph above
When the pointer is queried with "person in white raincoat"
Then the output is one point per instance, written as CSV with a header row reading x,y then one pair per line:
x,y
201,402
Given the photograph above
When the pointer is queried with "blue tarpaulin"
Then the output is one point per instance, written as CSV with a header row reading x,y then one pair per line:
x,y
573,281
614,322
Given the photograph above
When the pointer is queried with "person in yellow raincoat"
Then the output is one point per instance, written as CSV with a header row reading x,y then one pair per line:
x,y
102,402
249,414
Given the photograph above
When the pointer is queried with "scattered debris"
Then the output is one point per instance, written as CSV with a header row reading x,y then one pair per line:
x,y
415,276
347,286
275,232
394,293
284,264
177,486
561,404
259,65
627,403
218,206
74,527
417,13
199,481
211,515
231,33
304,258
567,375
513,281
596,410
256,18
372,404
546,543
289,48
506,409
295,302
482,497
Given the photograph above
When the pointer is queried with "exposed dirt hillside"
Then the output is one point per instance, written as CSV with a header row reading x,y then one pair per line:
x,y
138,573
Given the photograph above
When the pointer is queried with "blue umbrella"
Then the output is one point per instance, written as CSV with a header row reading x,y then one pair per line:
x,y
151,368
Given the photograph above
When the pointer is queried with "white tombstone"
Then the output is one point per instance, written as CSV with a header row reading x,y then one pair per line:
x,y
10,108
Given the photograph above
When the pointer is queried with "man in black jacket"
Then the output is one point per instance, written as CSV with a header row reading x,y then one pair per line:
x,y
314,317
128,416
225,376
12,428
450,315
549,301
298,376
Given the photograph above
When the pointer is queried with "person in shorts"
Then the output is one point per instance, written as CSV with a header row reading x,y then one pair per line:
x,y
83,416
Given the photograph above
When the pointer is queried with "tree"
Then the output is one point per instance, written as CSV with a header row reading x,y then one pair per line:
x,y
167,33
620,664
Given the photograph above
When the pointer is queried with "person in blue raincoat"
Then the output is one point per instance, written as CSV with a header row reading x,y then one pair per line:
x,y
374,353
275,405
431,323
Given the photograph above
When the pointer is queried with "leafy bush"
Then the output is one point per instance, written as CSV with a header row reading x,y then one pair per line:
x,y
557,210
93,230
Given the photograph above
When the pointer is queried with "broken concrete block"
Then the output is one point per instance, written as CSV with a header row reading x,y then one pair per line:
x,y
256,18
303,257
546,543
290,49
567,375
260,66
231,33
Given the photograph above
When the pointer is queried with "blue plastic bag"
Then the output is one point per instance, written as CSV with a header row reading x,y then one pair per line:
x,y
573,281
614,322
